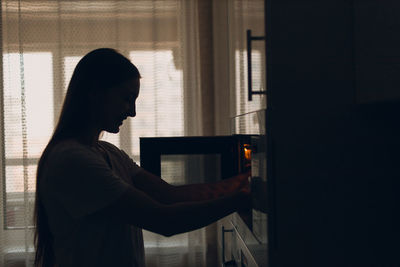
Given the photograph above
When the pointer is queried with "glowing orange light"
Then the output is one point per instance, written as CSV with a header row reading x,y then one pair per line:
x,y
247,152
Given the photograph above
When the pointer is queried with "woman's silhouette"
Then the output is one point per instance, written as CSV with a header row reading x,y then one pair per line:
x,y
92,200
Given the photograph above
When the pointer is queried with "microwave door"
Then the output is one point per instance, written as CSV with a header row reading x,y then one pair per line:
x,y
224,154
189,160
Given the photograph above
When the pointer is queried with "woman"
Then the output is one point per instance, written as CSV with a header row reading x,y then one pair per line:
x,y
92,200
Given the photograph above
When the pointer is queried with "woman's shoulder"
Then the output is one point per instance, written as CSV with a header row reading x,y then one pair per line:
x,y
69,150
68,155
114,151
109,146
68,146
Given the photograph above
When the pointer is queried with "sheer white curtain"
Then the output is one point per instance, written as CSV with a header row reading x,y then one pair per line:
x,y
246,15
41,42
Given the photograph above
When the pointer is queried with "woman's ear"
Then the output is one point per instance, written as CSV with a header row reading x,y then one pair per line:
x,y
95,104
96,96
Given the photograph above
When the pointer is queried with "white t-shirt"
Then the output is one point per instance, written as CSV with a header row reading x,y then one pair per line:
x,y
76,182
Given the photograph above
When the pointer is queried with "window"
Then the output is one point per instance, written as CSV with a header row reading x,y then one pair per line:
x,y
28,124
160,103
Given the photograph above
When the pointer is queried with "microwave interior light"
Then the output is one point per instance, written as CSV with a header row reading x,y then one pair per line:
x,y
247,152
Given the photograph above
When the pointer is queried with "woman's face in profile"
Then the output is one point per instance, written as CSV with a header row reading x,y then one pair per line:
x,y
119,103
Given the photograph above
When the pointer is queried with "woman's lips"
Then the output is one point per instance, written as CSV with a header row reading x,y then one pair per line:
x,y
122,121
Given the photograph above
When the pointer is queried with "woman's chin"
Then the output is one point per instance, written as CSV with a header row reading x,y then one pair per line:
x,y
113,129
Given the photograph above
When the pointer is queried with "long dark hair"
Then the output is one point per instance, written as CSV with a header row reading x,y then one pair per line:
x,y
97,71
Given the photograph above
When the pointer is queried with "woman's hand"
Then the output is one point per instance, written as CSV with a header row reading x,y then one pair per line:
x,y
242,181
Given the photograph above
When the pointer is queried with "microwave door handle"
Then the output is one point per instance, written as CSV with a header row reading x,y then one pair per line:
x,y
230,263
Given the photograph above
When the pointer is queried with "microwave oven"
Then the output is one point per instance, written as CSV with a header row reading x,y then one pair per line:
x,y
211,158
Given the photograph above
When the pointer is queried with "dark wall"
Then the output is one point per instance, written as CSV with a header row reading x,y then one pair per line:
x,y
338,187
334,132
377,49
310,53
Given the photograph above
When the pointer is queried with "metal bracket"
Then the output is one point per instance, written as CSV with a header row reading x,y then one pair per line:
x,y
249,68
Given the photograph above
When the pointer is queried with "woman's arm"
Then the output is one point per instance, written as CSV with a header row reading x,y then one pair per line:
x,y
137,208
208,191
165,193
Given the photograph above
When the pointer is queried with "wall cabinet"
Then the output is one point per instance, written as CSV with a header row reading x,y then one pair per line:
x,y
332,79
